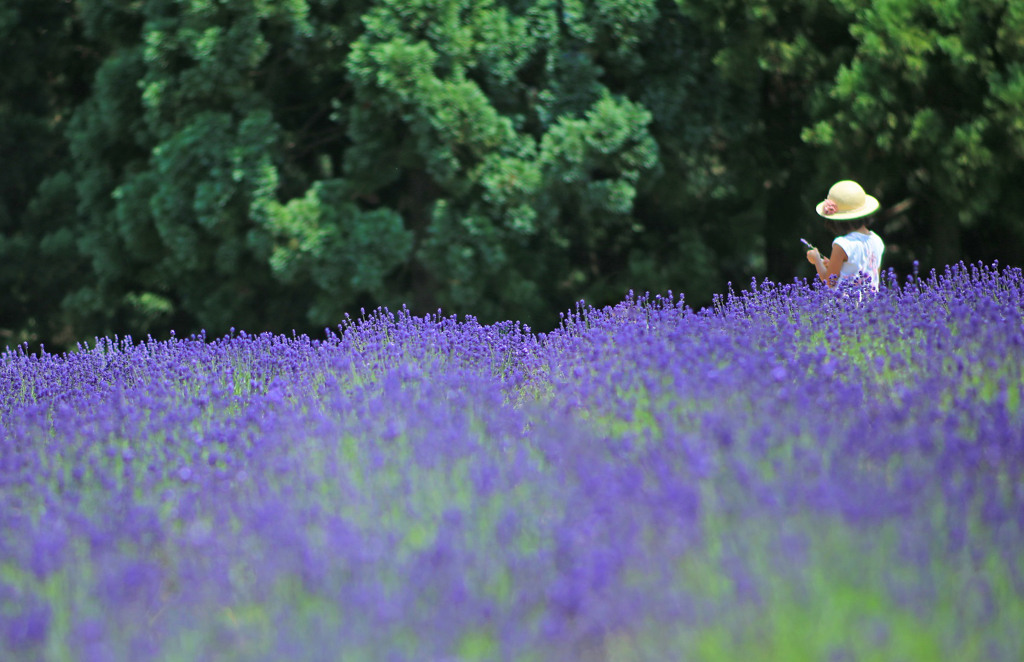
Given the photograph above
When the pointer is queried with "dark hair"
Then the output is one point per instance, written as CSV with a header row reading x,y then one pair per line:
x,y
840,228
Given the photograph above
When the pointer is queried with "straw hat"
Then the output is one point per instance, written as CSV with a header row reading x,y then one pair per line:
x,y
847,201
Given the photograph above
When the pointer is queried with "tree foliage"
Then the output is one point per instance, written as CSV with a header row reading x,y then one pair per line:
x,y
46,67
273,165
931,105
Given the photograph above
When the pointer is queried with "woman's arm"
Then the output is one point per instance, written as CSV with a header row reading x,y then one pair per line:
x,y
828,268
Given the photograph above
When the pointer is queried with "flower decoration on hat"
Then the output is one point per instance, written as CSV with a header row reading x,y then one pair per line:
x,y
829,207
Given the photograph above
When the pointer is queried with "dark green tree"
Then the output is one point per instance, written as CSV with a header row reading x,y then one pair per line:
x,y
930,108
46,65
275,165
200,163
515,166
777,57
543,151
272,165
918,100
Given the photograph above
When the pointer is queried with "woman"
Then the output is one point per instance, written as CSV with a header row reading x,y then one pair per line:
x,y
856,251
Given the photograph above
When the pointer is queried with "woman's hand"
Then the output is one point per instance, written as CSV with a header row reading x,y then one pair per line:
x,y
815,258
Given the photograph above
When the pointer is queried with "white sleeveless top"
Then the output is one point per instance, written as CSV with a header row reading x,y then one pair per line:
x,y
864,258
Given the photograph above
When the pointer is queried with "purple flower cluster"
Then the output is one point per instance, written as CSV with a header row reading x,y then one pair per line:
x,y
793,472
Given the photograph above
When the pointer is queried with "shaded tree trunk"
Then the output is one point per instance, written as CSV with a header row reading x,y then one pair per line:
x,y
945,236
415,205
783,214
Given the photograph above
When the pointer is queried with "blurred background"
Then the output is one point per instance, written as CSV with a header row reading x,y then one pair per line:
x,y
272,165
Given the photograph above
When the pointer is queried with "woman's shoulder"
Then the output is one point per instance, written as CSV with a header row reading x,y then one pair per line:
x,y
849,238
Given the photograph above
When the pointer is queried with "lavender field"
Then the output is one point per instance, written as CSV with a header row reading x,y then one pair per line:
x,y
792,474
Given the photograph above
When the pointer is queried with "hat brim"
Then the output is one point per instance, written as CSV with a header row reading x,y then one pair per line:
x,y
869,207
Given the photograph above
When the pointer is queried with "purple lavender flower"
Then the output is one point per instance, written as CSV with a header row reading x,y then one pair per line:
x,y
644,473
